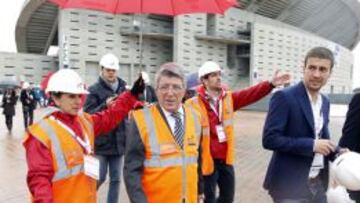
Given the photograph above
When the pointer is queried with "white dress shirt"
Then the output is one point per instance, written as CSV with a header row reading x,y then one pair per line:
x,y
171,120
318,161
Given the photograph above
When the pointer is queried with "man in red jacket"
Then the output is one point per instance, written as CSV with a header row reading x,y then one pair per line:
x,y
219,105
60,147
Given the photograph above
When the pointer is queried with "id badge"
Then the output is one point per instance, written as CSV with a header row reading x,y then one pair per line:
x,y
318,161
92,167
220,133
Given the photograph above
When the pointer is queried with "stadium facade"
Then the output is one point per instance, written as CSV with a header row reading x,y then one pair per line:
x,y
249,41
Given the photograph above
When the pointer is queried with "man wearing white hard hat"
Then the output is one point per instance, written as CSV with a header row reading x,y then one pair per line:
x,y
219,105
109,149
28,104
60,147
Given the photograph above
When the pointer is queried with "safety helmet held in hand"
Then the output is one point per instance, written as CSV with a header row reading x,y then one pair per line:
x,y
26,85
66,81
145,77
346,170
208,67
109,61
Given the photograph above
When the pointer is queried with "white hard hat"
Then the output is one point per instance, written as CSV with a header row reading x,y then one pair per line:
x,y
145,77
109,61
67,81
26,85
346,170
208,67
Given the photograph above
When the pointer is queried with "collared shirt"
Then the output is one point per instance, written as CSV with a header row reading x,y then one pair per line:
x,y
215,103
317,114
318,161
171,120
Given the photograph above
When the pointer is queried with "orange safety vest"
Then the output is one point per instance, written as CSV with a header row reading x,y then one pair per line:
x,y
69,183
170,173
227,122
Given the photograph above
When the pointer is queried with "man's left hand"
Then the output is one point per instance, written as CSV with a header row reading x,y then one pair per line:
x,y
280,78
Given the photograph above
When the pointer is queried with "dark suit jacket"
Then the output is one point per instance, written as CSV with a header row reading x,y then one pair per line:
x,y
114,142
289,133
351,132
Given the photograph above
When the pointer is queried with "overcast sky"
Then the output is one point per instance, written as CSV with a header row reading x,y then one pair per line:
x,y
10,9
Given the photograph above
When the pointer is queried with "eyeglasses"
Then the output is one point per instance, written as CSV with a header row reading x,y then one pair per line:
x,y
167,87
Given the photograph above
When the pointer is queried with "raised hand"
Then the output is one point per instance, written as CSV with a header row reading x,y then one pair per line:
x,y
138,86
280,78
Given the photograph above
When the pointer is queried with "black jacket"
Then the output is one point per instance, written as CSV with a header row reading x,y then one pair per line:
x,y
149,95
114,142
351,133
9,103
28,100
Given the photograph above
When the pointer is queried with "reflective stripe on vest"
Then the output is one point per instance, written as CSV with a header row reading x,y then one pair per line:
x,y
206,130
229,121
170,162
155,160
47,112
62,171
155,148
197,122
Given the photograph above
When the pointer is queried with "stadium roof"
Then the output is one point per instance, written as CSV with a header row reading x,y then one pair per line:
x,y
335,20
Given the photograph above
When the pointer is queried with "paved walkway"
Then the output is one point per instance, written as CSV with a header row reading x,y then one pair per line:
x,y
251,159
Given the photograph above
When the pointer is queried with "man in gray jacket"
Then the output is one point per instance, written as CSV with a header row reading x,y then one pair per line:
x,y
108,149
163,151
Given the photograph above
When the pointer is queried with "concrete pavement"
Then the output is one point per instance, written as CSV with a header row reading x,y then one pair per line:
x,y
251,159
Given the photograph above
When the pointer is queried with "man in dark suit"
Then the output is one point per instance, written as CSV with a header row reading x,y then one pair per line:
x,y
296,130
351,133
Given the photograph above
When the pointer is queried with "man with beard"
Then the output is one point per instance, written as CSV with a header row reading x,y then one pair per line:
x,y
296,130
218,105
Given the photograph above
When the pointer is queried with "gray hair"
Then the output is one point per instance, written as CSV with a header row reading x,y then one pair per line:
x,y
321,53
170,70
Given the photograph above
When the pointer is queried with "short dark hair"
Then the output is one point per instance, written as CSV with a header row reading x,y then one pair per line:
x,y
322,53
56,94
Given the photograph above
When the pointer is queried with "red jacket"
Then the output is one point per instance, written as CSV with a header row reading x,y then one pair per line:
x,y
240,98
40,168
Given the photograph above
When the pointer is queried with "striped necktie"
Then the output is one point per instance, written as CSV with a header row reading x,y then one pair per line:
x,y
179,129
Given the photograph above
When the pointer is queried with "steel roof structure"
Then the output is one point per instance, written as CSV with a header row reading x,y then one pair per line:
x,y
335,20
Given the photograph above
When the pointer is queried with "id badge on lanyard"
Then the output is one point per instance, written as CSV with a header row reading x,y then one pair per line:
x,y
92,166
220,132
91,163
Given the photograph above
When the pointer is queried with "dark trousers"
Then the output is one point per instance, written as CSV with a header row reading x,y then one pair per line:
x,y
224,177
317,195
9,121
355,195
28,117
